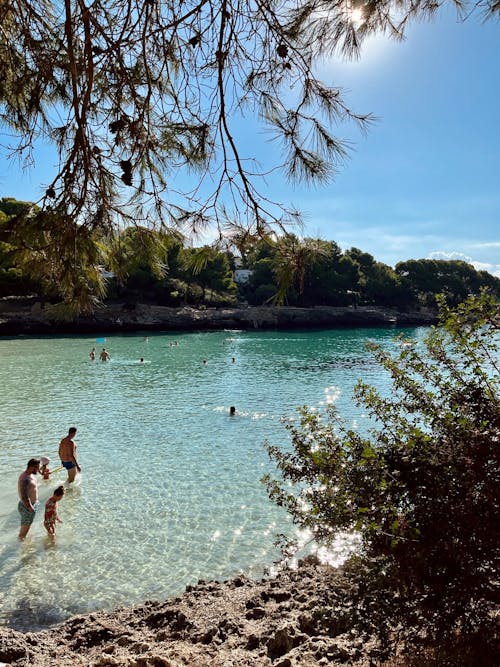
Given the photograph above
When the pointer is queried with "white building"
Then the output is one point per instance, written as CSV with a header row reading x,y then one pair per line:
x,y
242,276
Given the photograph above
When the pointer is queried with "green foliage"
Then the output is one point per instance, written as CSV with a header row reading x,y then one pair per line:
x,y
420,487
10,206
309,272
211,268
138,254
131,94
47,252
456,279
55,253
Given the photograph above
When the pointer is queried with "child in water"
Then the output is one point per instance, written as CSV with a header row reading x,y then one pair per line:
x,y
51,515
44,470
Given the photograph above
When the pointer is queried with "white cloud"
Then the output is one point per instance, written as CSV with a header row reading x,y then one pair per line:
x,y
494,269
439,254
487,244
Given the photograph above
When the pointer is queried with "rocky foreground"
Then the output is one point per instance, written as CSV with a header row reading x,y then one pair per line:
x,y
240,623
33,317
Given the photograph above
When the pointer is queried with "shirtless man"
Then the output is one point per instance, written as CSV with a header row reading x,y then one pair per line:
x,y
27,488
104,356
67,454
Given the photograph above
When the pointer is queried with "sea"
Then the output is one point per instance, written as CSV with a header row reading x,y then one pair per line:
x,y
171,487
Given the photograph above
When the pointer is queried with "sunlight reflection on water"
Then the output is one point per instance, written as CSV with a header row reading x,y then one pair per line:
x,y
170,490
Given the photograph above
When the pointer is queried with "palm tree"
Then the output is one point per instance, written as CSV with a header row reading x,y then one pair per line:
x,y
293,257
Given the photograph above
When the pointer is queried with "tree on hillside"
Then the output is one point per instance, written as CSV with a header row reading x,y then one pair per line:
x,y
328,277
58,255
211,270
293,260
138,250
131,92
420,487
10,206
378,282
425,278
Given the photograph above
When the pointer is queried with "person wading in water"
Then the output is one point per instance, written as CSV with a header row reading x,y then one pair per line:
x,y
67,454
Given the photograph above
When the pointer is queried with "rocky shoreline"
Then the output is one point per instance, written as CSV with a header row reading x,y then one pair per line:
x,y
33,318
274,622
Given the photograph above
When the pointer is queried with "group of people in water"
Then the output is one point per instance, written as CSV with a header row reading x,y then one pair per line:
x,y
103,355
27,486
28,483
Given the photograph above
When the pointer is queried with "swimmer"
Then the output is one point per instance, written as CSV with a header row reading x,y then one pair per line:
x,y
232,411
92,354
67,454
141,360
104,356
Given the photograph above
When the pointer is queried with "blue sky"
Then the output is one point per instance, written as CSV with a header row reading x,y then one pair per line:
x,y
424,182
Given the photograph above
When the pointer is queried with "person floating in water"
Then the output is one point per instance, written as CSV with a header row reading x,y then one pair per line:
x,y
104,356
232,411
67,454
27,488
92,354
44,470
141,360
51,514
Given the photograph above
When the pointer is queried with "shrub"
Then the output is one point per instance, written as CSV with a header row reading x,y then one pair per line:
x,y
420,488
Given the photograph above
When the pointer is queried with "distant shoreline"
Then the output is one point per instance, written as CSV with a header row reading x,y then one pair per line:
x,y
18,317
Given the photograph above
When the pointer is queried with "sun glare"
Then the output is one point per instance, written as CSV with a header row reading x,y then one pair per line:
x,y
356,16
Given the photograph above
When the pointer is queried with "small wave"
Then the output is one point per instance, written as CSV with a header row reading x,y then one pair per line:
x,y
241,413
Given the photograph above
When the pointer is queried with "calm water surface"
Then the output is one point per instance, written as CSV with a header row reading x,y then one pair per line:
x,y
170,489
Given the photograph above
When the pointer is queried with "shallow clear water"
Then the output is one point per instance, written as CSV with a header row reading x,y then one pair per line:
x,y
170,490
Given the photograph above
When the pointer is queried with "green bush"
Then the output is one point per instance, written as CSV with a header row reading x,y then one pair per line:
x,y
420,488
262,295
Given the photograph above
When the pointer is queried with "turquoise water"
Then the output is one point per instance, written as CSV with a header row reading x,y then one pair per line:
x,y
170,489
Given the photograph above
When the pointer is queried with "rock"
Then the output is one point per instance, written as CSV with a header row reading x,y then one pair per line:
x,y
256,612
207,635
253,642
211,625
239,581
279,596
307,624
286,662
29,317
280,643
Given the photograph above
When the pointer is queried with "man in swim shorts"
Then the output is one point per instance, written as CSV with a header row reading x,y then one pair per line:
x,y
27,488
67,454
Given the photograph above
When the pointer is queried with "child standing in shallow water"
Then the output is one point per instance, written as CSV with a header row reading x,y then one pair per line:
x,y
51,515
44,470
